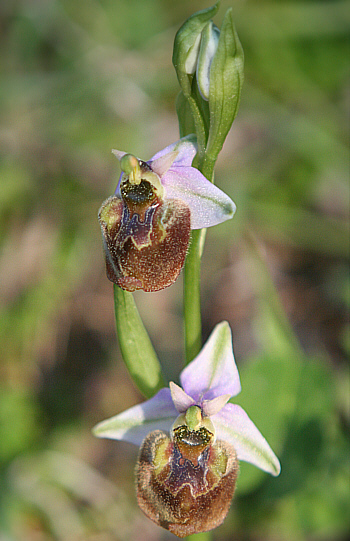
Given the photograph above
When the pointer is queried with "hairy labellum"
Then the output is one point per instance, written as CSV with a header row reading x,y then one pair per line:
x,y
146,225
186,484
186,472
145,238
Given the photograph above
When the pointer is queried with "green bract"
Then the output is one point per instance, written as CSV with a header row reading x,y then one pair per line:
x,y
226,80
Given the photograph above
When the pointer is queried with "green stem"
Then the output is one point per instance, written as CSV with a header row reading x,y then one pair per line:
x,y
192,275
192,296
206,166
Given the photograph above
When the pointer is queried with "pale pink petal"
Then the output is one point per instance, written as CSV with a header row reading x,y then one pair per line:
x,y
186,150
161,165
213,372
133,425
210,407
208,204
233,425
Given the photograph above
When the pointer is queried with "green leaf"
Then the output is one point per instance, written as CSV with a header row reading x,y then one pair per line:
x,y
226,80
136,347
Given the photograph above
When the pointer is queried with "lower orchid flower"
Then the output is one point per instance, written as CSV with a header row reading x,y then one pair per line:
x,y
191,440
146,224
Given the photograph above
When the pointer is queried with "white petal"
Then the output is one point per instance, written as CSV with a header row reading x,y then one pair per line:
x,y
208,48
181,400
213,372
233,425
134,424
208,204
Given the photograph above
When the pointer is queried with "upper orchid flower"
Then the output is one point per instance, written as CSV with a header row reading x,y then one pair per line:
x,y
192,439
146,224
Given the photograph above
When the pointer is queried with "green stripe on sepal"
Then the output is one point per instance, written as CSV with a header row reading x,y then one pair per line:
x,y
226,80
135,345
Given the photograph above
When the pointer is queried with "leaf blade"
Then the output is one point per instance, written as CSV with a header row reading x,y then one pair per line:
x,y
135,345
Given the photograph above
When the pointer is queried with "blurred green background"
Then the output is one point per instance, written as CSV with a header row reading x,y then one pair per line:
x,y
79,78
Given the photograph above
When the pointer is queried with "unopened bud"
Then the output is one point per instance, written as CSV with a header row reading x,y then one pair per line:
x,y
186,46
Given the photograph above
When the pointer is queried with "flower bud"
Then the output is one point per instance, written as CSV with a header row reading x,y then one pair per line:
x,y
208,46
186,46
145,238
185,484
209,66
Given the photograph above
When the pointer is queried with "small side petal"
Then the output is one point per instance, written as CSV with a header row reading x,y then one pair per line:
x,y
186,150
208,204
210,407
233,425
161,165
118,154
213,372
134,424
180,399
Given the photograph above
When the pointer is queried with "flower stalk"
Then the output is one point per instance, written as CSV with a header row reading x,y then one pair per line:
x,y
192,296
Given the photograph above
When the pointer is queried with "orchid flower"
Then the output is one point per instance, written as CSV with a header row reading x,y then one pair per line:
x,y
191,439
146,224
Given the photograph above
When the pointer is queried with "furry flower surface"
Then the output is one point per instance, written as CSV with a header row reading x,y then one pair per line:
x,y
208,382
146,224
191,439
